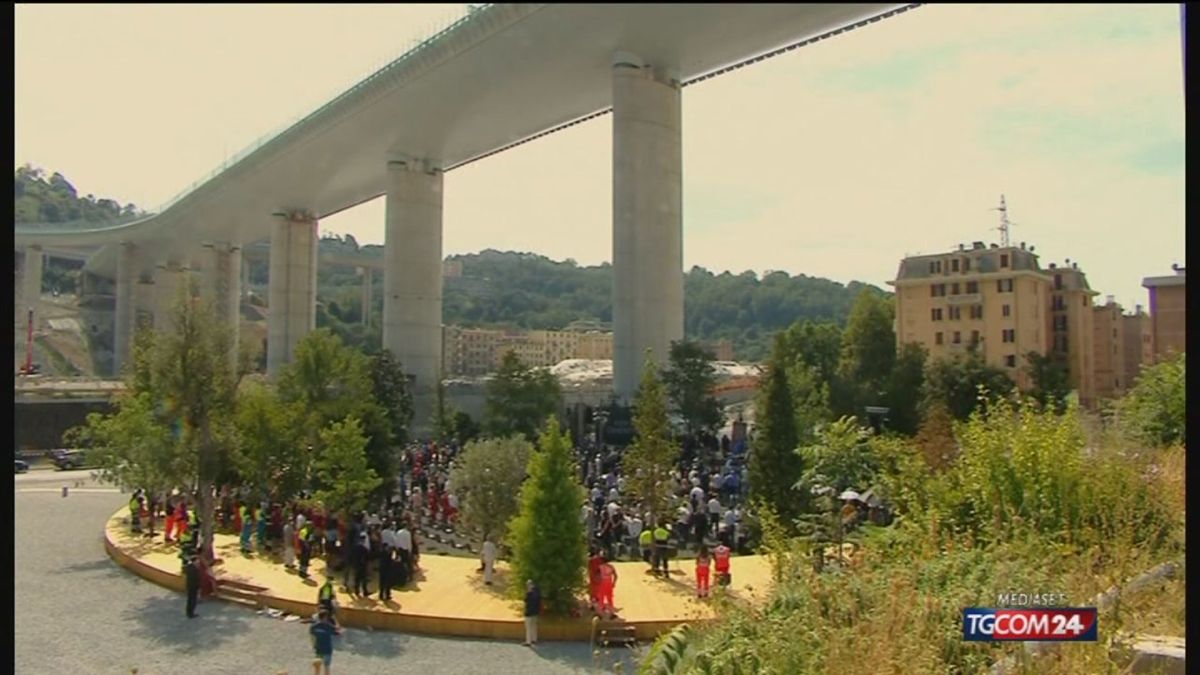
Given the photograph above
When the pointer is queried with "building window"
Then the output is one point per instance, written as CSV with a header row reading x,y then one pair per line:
x,y
1004,285
1009,335
1058,282
937,338
954,265
957,338
954,288
974,337
972,286
1085,301
1011,360
955,313
936,314
1006,310
976,311
966,264
1004,260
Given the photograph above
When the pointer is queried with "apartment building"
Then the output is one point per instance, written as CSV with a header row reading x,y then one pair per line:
x,y
1138,349
1108,342
1000,302
1168,313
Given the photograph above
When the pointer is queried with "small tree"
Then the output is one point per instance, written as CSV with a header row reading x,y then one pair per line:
x,y
546,537
345,478
519,399
648,462
841,458
390,386
936,438
1051,380
131,448
272,454
774,465
488,476
690,378
1155,410
956,381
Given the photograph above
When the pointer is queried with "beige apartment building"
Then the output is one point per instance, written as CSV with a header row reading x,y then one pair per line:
x,y
479,351
999,301
1108,342
1168,313
1138,350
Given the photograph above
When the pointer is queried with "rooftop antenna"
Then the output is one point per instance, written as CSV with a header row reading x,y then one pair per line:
x,y
1004,222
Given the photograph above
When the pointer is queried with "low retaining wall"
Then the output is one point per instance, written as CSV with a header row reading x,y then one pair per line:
x,y
549,628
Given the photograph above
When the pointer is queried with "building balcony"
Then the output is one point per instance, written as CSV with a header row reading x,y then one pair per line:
x,y
965,299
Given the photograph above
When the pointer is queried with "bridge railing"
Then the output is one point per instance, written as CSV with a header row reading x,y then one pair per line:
x,y
278,132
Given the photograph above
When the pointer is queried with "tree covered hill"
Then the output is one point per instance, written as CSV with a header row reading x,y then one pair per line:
x,y
38,199
530,291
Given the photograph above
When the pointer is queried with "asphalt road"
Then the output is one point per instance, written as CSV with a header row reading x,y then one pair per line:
x,y
76,611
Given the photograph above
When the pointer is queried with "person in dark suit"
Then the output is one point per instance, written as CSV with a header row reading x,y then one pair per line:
x,y
191,572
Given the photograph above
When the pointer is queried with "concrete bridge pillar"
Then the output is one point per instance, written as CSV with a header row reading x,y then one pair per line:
x,y
125,316
291,286
29,283
168,278
412,277
222,283
647,219
367,280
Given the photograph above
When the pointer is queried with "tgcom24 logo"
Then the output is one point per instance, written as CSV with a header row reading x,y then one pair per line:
x,y
1059,624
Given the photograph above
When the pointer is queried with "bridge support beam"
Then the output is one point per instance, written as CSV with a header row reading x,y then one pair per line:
x,y
292,287
412,277
222,283
125,316
367,279
647,219
30,286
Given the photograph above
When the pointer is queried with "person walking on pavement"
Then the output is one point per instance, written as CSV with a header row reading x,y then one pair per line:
x,y
135,512
322,632
191,571
305,549
533,607
488,553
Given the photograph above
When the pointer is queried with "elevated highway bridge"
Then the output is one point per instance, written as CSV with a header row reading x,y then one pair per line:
x,y
501,76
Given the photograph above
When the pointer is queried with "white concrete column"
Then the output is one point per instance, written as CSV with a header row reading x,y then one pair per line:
x,y
167,279
367,280
33,264
647,219
222,283
291,286
412,276
125,316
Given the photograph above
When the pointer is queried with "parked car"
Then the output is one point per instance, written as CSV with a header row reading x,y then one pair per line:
x,y
69,459
21,466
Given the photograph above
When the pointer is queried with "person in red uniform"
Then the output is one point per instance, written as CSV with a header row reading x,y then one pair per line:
x,y
703,561
594,563
608,581
721,555
169,525
433,504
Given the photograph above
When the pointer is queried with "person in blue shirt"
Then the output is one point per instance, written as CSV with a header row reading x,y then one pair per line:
x,y
322,632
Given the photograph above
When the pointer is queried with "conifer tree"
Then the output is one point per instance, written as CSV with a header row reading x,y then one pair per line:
x,y
774,465
547,537
649,461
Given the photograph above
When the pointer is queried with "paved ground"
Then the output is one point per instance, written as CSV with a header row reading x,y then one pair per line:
x,y
76,611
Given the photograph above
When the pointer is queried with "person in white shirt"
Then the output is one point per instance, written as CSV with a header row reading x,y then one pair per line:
x,y
714,513
613,495
621,485
633,529
388,536
488,553
596,493
697,495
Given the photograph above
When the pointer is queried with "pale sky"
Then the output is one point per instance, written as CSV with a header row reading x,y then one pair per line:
x,y
834,160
